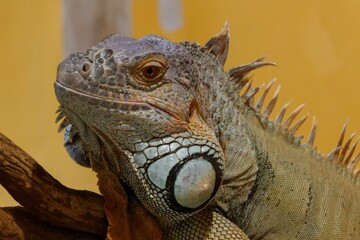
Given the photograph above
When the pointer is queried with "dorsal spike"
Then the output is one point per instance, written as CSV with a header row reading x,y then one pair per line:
x,y
334,153
270,107
247,88
345,148
292,116
300,137
239,86
342,136
219,44
351,152
312,134
263,95
356,172
357,158
281,114
239,73
234,76
353,163
298,124
250,95
250,102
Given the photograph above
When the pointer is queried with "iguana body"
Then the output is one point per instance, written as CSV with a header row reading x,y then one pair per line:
x,y
170,123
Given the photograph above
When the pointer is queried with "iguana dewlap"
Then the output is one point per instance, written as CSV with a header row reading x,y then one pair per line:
x,y
206,161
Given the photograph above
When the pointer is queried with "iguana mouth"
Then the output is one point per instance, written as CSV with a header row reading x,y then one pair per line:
x,y
127,105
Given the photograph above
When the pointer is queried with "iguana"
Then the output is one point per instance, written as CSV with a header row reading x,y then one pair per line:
x,y
187,140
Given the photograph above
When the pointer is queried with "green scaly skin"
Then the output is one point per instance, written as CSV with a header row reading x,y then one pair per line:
x,y
168,120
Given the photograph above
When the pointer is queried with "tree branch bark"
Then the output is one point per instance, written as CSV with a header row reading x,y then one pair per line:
x,y
80,213
17,223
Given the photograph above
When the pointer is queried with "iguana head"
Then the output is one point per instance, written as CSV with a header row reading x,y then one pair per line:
x,y
140,107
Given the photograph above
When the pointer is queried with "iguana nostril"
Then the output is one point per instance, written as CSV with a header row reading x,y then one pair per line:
x,y
85,70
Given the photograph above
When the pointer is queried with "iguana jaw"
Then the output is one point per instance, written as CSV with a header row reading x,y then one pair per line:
x,y
160,157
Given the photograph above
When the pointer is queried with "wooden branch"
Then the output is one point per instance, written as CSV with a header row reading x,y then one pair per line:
x,y
45,197
17,223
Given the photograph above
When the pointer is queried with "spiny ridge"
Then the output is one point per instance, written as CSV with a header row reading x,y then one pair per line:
x,y
238,74
288,127
343,153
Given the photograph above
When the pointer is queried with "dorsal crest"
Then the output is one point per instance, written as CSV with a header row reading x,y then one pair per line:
x,y
344,152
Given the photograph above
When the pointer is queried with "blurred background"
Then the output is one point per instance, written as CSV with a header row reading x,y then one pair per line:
x,y
314,42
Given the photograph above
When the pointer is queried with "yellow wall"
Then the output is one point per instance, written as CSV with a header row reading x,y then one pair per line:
x,y
30,49
315,43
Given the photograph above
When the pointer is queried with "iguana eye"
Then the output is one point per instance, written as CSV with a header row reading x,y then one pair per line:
x,y
150,72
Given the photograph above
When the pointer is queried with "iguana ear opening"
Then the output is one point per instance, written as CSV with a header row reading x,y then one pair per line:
x,y
219,44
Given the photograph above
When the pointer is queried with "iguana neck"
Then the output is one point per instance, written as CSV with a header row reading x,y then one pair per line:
x,y
218,102
241,167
